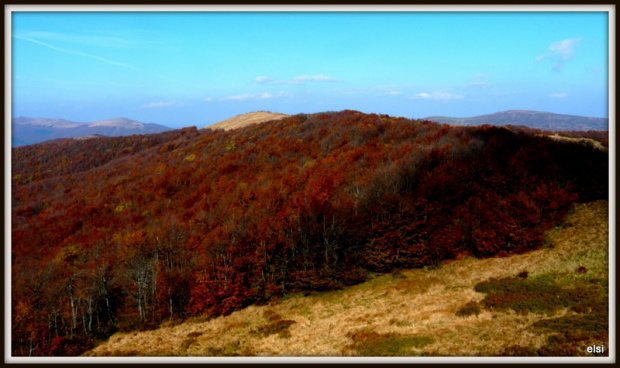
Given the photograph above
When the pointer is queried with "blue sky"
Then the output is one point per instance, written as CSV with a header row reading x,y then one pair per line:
x,y
196,68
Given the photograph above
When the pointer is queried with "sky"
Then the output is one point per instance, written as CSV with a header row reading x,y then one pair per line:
x,y
197,68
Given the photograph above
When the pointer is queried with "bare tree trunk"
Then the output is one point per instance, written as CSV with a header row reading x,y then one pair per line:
x,y
72,304
170,302
31,349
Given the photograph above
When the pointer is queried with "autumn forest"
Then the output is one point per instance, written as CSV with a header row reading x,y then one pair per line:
x,y
123,233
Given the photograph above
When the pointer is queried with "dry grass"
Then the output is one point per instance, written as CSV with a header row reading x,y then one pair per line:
x,y
584,141
410,307
247,119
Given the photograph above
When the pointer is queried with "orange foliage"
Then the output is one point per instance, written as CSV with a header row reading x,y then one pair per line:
x,y
307,202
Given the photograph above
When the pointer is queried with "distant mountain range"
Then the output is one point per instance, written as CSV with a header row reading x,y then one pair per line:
x,y
35,130
532,119
27,130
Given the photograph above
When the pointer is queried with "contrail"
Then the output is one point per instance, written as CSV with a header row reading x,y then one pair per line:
x,y
74,52
79,53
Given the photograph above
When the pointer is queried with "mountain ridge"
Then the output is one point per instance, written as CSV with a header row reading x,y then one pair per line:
x,y
529,118
28,130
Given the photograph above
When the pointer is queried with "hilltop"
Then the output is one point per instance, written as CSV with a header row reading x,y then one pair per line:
x,y
531,119
248,119
120,234
27,131
118,122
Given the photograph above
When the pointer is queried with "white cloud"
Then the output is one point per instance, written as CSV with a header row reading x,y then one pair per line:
x,y
297,80
242,97
156,104
558,95
479,75
564,48
438,95
208,99
316,78
255,96
263,79
560,51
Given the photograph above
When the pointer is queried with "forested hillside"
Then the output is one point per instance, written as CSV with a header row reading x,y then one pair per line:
x,y
123,233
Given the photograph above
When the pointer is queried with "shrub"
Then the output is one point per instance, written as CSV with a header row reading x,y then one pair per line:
x,y
193,335
187,343
517,350
538,295
370,343
542,295
469,309
271,315
279,327
581,270
230,349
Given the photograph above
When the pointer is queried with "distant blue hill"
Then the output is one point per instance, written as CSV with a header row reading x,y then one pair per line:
x,y
34,130
531,119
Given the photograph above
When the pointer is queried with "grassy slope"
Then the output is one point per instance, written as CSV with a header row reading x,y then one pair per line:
x,y
244,120
413,312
